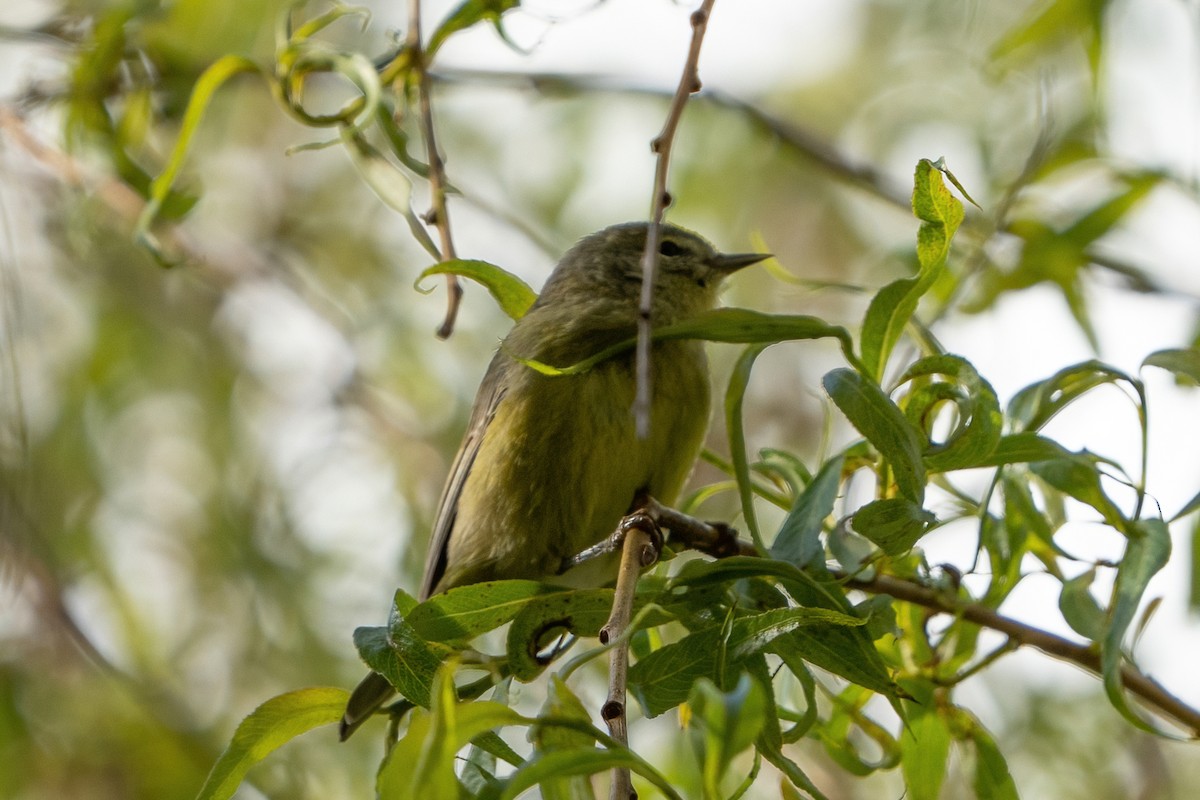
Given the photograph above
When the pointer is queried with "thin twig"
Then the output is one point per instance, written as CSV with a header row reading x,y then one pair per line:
x,y
721,541
439,215
638,551
1082,655
689,84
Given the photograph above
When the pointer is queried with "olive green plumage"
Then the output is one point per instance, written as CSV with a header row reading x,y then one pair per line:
x,y
550,464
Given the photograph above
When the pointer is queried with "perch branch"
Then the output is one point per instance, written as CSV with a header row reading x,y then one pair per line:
x,y
439,215
689,84
721,541
640,549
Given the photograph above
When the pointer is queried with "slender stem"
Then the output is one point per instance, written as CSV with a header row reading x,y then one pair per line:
x,y
689,84
637,552
720,541
439,215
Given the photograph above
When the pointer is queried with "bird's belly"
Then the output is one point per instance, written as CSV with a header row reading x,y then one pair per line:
x,y
570,465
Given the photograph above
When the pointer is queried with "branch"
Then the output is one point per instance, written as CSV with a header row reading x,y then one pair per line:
x,y
1084,656
689,84
640,549
719,540
439,215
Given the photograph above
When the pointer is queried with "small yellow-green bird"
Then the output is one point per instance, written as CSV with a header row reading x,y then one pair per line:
x,y
550,464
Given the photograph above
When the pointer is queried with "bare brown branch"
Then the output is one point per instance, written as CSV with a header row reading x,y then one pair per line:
x,y
638,551
689,84
439,215
720,541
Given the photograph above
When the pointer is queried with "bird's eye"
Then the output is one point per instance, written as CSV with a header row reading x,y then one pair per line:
x,y
669,248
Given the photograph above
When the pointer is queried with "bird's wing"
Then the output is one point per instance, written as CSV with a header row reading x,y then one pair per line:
x,y
487,400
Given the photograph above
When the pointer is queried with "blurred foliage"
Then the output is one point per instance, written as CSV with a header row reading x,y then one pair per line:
x,y
210,474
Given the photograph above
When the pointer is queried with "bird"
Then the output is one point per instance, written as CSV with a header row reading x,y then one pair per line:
x,y
550,464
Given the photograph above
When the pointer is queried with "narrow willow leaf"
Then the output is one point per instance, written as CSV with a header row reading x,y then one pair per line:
x,y
206,86
1080,609
894,524
817,593
1036,404
1078,476
977,432
893,306
582,612
754,633
727,325
1146,553
561,702
468,13
883,424
400,654
735,393
1184,363
511,293
465,612
798,541
925,749
274,723
790,769
663,680
725,724
846,652
1024,448
993,780
421,766
581,761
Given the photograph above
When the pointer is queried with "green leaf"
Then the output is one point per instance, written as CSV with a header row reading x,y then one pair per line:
x,y
925,748
894,524
1184,363
468,13
465,612
735,393
977,429
1078,475
1038,403
790,769
883,424
400,654
798,541
206,86
1024,448
543,619
663,680
561,702
887,315
893,306
274,723
422,764
701,573
1080,609
993,781
1146,553
940,213
754,633
727,325
726,723
846,652
581,761
511,293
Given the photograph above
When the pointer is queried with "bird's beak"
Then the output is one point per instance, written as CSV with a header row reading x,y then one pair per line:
x,y
732,262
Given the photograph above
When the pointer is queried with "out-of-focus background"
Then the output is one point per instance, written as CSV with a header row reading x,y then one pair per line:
x,y
211,473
